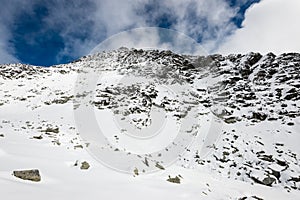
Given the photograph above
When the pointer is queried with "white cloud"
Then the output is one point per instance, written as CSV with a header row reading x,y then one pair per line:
x,y
6,50
151,38
7,21
209,20
82,24
270,26
211,17
104,18
116,16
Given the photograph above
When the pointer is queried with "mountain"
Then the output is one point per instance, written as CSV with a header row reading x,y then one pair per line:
x,y
224,127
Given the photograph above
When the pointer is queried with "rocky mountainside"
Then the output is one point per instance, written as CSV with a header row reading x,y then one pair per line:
x,y
254,99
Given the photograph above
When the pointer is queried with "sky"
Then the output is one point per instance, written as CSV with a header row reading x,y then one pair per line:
x,y
49,32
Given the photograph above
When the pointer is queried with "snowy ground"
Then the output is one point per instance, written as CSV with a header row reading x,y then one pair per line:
x,y
30,106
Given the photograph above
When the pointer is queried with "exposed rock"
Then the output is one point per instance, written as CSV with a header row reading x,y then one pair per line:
x,y
250,198
230,120
51,130
136,171
291,96
253,58
176,179
31,175
38,137
63,100
259,116
85,165
268,181
159,166
290,124
282,162
79,146
296,179
265,157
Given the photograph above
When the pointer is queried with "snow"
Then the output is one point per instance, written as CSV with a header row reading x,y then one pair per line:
x,y
56,154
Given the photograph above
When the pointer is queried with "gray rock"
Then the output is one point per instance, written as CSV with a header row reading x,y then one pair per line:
x,y
295,179
230,120
259,116
85,165
176,179
268,181
31,175
136,171
51,130
159,166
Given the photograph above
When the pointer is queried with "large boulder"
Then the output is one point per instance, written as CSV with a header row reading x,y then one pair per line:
x,y
31,175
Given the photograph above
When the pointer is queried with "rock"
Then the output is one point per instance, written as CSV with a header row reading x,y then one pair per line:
x,y
290,124
76,163
291,96
291,91
230,120
1,135
282,163
79,146
265,180
188,67
31,175
176,179
63,100
276,174
259,116
51,130
276,170
268,158
253,58
159,166
136,171
268,181
85,165
146,162
252,197
38,137
296,179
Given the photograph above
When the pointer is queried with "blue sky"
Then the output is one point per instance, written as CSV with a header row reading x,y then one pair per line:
x,y
58,31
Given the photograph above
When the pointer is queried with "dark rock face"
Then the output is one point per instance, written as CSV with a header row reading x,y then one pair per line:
x,y
31,175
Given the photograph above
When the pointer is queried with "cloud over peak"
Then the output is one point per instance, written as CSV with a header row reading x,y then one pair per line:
x,y
57,31
270,26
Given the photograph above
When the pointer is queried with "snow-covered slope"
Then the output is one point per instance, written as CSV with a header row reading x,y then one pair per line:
x,y
225,127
